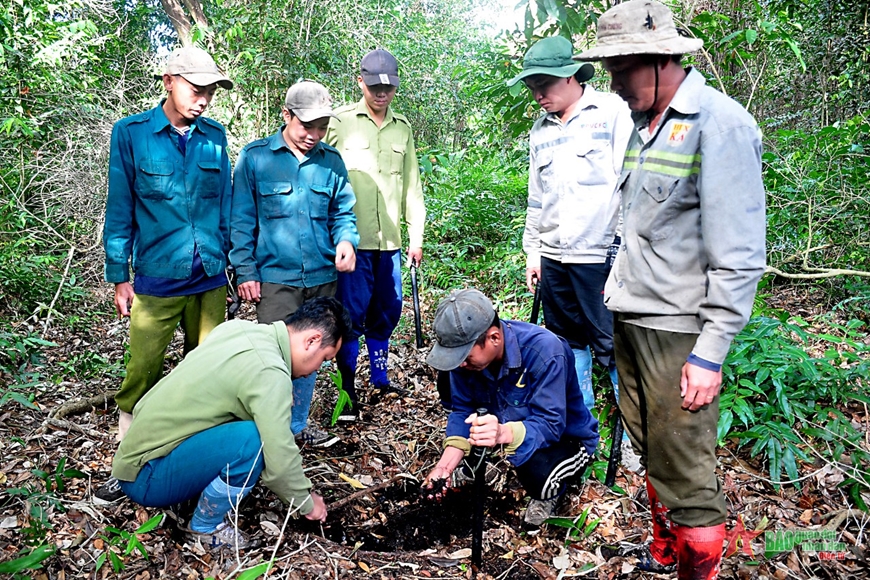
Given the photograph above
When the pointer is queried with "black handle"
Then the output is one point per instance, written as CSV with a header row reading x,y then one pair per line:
x,y
478,455
615,450
415,292
536,303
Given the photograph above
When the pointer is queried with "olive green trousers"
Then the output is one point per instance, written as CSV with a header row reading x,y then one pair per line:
x,y
153,321
677,447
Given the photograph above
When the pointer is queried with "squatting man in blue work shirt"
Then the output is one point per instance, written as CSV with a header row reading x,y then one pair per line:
x,y
524,376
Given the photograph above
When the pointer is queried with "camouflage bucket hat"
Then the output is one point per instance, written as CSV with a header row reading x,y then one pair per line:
x,y
639,27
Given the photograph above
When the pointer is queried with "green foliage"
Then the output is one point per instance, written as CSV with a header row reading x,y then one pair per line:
x,y
578,528
476,206
115,538
30,561
779,399
42,500
343,399
19,357
817,197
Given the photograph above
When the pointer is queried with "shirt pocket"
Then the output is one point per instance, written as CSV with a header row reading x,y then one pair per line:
x,y
321,195
155,179
356,154
397,158
208,180
515,395
592,163
656,206
276,199
544,167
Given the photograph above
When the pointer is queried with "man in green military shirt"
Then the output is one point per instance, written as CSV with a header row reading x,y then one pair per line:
x,y
377,146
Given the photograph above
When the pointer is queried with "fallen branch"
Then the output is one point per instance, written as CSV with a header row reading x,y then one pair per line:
x,y
47,322
366,491
68,426
839,516
83,405
822,273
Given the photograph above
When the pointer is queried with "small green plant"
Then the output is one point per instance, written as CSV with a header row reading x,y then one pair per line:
x,y
578,528
114,538
41,500
20,356
30,561
343,399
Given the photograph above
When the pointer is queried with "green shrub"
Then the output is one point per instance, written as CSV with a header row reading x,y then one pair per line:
x,y
781,400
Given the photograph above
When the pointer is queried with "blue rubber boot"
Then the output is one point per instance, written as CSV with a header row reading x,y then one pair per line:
x,y
583,366
215,502
378,353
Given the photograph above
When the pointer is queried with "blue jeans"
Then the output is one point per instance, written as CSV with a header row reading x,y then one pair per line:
x,y
230,451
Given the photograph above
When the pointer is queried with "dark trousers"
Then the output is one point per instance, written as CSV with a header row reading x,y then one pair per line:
x,y
547,472
574,306
677,446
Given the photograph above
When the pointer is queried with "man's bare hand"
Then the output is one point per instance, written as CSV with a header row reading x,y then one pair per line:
x,y
250,291
318,514
345,257
415,256
698,386
486,431
124,296
533,276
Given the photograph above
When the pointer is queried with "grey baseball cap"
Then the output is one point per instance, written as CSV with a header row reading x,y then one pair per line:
x,y
308,101
379,67
197,67
460,320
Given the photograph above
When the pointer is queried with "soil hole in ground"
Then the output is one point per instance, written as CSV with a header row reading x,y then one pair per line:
x,y
401,520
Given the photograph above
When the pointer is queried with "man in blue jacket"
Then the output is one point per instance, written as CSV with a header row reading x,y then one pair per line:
x,y
524,376
293,226
168,209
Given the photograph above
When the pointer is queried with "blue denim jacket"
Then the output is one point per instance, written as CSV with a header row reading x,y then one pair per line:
x,y
536,384
161,203
288,216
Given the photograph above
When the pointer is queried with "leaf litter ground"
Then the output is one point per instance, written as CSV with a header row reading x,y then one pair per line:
x,y
389,531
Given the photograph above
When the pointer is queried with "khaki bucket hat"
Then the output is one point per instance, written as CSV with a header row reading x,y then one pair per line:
x,y
639,27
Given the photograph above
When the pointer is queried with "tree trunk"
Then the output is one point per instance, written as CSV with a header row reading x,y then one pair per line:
x,y
179,19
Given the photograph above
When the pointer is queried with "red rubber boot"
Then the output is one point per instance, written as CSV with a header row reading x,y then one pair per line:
x,y
699,552
663,547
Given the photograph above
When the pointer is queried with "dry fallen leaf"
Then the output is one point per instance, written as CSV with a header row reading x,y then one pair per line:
x,y
364,566
460,554
353,482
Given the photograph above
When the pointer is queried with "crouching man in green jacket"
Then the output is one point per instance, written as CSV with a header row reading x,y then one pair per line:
x,y
187,441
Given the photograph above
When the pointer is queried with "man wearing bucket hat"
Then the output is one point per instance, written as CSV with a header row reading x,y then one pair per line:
x,y
377,145
167,212
524,376
293,226
685,277
575,153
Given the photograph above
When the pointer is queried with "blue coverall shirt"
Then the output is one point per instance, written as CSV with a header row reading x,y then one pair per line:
x,y
162,204
288,216
536,384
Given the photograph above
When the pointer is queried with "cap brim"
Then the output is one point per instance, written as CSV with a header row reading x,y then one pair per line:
x,y
679,45
309,115
562,72
371,80
445,358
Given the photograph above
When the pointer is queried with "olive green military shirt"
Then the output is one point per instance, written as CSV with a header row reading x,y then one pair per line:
x,y
241,372
382,165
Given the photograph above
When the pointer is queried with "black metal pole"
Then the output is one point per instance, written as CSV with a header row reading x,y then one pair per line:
x,y
478,460
536,303
416,296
